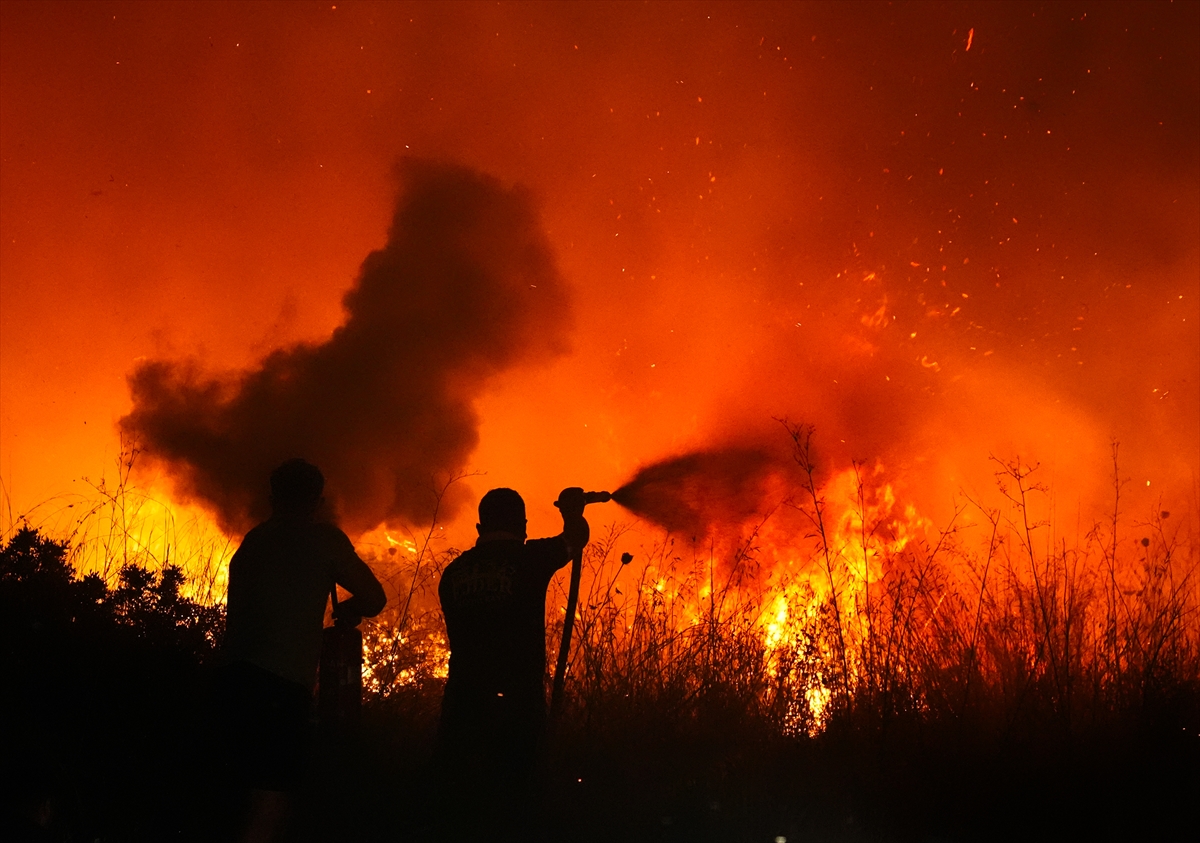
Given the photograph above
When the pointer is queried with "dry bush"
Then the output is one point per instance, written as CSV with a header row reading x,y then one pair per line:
x,y
114,523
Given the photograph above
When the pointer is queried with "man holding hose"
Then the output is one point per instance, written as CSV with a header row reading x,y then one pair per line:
x,y
494,600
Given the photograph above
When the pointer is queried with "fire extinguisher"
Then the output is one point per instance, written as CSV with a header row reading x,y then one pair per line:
x,y
339,676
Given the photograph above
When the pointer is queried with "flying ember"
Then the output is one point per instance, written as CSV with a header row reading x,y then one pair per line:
x,y
881,323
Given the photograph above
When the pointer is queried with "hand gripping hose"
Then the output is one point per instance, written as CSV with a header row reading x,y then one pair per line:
x,y
564,647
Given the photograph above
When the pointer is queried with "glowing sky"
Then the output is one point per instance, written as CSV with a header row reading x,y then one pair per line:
x,y
832,212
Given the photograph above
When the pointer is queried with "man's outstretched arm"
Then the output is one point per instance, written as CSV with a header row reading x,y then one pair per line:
x,y
367,597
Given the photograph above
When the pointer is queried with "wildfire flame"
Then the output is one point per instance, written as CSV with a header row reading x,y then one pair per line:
x,y
945,254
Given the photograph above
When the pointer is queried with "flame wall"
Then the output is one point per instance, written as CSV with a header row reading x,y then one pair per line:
x,y
936,232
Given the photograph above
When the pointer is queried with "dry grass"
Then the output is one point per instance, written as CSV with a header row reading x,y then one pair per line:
x,y
113,523
983,668
912,683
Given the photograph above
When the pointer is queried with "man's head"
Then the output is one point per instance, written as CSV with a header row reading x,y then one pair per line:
x,y
502,511
296,488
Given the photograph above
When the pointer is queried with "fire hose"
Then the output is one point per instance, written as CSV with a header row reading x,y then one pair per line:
x,y
564,647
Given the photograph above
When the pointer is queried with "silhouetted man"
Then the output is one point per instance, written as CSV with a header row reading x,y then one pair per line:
x,y
279,581
494,599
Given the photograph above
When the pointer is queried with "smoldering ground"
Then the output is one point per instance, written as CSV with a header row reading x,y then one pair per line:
x,y
465,287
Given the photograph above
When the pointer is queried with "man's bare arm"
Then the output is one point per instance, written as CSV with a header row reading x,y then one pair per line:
x,y
367,597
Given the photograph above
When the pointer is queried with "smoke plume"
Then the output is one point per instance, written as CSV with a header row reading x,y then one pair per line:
x,y
693,492
464,288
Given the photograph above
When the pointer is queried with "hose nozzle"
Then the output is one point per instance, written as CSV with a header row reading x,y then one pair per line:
x,y
573,495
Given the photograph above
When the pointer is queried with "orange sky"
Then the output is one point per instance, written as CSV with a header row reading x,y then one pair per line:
x,y
835,213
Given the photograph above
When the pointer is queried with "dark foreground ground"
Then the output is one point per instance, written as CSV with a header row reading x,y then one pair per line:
x,y
681,784
151,781
105,737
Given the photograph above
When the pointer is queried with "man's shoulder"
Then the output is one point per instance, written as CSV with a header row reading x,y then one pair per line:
x,y
479,554
546,555
463,567
257,531
484,555
293,535
322,531
459,563
553,549
329,532
258,536
552,546
464,557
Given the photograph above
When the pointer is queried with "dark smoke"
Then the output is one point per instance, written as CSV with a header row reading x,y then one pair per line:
x,y
465,287
694,492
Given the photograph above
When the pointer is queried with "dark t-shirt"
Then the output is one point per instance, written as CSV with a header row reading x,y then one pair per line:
x,y
279,583
494,601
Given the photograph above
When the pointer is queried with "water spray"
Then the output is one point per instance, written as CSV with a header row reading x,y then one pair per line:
x,y
686,493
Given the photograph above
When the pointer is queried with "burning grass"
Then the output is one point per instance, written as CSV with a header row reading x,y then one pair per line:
x,y
837,666
967,680
875,615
